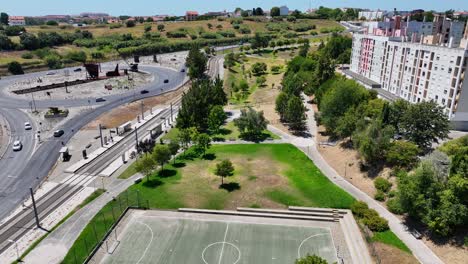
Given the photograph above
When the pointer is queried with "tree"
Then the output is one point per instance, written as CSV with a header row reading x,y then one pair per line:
x,y
148,27
130,23
229,60
275,11
347,124
258,68
260,41
145,165
295,113
304,50
219,26
52,23
402,154
314,259
149,19
174,147
251,123
185,137
210,26
4,18
259,11
261,80
161,27
161,154
224,169
15,68
373,142
203,142
197,103
196,62
281,105
424,123
6,43
29,41
216,118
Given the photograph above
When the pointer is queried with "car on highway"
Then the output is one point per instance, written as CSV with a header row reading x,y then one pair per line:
x,y
100,99
144,91
58,133
27,126
77,70
17,145
183,70
166,81
50,73
416,233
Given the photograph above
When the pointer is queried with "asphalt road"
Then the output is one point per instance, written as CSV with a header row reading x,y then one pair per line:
x,y
28,168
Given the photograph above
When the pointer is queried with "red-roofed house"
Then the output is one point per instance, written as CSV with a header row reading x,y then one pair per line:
x,y
16,21
191,15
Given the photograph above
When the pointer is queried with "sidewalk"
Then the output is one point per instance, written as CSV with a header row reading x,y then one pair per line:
x,y
308,146
54,248
4,136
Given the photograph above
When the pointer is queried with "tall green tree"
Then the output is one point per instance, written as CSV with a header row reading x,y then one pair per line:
x,y
275,11
374,141
295,114
314,259
224,169
196,63
424,123
174,147
202,143
161,154
281,105
251,123
4,18
216,118
145,165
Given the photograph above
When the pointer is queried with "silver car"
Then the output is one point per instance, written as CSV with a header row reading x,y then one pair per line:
x,y
17,145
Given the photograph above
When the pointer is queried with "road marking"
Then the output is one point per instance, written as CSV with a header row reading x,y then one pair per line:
x,y
147,247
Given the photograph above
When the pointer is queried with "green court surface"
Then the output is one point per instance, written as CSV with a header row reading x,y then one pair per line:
x,y
180,241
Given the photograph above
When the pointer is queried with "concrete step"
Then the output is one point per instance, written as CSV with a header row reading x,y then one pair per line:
x,y
313,209
290,212
258,214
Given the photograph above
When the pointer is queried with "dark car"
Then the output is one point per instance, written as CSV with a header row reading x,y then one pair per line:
x,y
58,133
77,70
144,91
166,81
100,99
183,70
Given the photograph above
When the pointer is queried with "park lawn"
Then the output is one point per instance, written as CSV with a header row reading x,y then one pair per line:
x,y
263,174
389,238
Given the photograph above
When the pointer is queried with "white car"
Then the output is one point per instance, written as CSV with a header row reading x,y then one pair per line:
x,y
27,126
17,145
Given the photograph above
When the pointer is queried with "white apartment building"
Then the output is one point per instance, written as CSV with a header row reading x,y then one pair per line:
x,y
371,15
415,71
16,21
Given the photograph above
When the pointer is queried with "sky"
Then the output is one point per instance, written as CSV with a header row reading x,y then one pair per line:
x,y
178,7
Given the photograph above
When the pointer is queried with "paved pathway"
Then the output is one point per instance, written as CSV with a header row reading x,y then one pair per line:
x,y
308,145
54,248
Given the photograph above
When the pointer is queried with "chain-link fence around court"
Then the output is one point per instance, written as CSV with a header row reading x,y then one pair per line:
x,y
104,225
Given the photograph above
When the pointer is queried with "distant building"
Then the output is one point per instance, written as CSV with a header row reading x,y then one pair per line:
x,y
460,14
114,20
284,11
16,21
94,15
191,15
216,14
371,15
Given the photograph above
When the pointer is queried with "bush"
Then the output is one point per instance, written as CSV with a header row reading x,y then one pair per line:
x,y
130,23
209,35
27,55
382,184
374,222
275,69
402,154
79,56
359,208
15,68
112,26
176,34
14,30
394,206
392,193
245,30
379,196
52,23
53,62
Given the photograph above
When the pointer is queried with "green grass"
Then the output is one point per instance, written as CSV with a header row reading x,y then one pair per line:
x,y
389,238
88,200
307,187
128,172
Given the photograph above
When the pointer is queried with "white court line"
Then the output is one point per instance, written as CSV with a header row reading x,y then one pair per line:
x,y
147,247
224,242
303,241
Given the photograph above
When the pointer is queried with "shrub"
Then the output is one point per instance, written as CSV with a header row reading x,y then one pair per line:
x,y
394,206
14,30
79,56
130,23
379,196
53,62
52,23
27,55
176,34
97,55
359,208
382,184
15,68
275,69
227,34
112,26
245,30
392,193
209,35
374,222
402,153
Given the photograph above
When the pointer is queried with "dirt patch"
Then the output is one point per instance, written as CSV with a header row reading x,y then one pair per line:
x,y
391,255
449,252
200,186
125,113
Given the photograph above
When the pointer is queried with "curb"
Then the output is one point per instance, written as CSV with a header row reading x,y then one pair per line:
x,y
2,152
